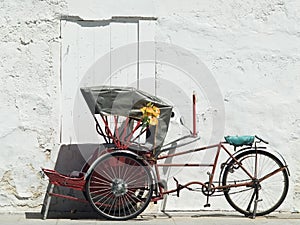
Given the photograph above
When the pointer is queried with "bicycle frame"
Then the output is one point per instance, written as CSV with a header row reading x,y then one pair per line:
x,y
220,147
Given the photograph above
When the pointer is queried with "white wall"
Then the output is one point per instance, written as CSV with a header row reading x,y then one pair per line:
x,y
251,49
29,114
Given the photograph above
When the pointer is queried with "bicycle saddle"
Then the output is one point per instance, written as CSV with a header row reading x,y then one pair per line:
x,y
239,140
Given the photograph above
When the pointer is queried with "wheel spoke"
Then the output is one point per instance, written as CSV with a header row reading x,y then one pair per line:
x,y
271,185
120,186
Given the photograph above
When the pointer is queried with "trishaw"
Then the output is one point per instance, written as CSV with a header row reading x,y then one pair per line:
x,y
122,180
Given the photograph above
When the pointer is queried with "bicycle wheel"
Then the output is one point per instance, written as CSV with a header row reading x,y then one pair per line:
x,y
120,186
271,190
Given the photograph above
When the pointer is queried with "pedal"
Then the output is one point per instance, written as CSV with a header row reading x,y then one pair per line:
x,y
178,186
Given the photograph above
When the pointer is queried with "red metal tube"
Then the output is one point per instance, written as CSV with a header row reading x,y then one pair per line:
x,y
194,115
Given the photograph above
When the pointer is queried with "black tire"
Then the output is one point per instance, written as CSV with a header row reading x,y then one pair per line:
x,y
120,186
271,191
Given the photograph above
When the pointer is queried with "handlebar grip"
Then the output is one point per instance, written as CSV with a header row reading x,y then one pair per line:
x,y
261,140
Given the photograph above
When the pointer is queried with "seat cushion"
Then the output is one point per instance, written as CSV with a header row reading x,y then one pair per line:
x,y
239,140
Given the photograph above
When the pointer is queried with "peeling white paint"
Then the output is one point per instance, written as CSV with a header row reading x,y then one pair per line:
x,y
29,98
251,47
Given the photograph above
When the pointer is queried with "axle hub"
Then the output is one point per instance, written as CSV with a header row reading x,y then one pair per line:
x,y
119,187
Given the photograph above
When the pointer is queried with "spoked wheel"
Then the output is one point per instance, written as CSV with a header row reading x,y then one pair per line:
x,y
269,189
120,186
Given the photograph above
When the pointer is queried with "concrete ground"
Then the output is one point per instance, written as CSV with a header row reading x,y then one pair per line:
x,y
172,218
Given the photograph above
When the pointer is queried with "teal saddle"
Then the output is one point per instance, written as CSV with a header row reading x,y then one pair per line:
x,y
238,141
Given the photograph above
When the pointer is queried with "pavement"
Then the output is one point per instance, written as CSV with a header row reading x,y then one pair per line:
x,y
170,218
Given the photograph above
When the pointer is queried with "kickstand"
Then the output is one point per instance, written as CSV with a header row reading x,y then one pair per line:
x,y
255,204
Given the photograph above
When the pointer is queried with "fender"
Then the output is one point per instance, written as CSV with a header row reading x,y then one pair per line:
x,y
283,162
93,165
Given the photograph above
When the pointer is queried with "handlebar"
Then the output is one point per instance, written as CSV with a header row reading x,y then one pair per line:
x,y
261,140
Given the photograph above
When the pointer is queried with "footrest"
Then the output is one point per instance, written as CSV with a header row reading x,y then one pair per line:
x,y
58,179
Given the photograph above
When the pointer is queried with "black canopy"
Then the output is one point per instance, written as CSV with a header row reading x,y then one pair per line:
x,y
127,102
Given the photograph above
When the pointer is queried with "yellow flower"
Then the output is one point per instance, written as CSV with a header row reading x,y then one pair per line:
x,y
149,111
150,114
153,121
143,110
156,111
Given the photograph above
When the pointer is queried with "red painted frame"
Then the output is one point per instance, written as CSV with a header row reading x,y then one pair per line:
x,y
123,142
219,147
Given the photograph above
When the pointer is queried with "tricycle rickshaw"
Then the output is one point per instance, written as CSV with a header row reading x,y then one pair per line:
x,y
120,181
